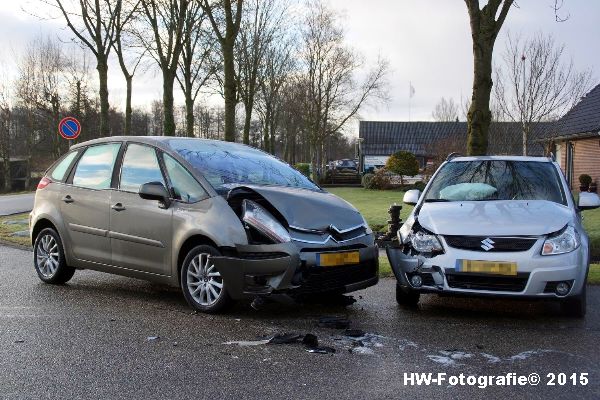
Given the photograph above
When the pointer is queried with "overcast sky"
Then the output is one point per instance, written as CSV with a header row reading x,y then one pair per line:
x,y
427,43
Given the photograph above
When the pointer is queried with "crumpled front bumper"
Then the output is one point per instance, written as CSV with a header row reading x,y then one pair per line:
x,y
537,272
259,270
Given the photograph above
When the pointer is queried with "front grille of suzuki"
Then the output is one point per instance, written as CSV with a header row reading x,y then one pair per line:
x,y
492,244
332,279
488,282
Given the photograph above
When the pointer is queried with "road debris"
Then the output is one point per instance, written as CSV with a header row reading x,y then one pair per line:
x,y
152,338
321,350
310,340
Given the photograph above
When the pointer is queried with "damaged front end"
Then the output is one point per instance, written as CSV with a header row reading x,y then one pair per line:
x,y
413,260
284,258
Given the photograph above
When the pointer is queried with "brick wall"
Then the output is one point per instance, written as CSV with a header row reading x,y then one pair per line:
x,y
586,155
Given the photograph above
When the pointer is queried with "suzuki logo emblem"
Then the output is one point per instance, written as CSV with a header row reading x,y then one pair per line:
x,y
487,244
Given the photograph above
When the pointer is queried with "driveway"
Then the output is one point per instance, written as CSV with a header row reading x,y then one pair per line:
x,y
16,203
105,336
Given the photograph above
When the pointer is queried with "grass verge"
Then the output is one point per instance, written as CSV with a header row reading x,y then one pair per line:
x,y
11,224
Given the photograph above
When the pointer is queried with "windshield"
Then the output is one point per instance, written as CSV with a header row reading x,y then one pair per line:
x,y
346,163
496,180
224,163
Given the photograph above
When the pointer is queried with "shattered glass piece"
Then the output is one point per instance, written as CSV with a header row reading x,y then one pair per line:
x,y
285,338
249,342
321,350
361,350
152,338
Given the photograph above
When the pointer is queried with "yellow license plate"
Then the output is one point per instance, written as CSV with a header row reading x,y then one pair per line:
x,y
486,267
334,259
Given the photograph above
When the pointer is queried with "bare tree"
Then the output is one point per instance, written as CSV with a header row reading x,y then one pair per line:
x,y
225,18
445,110
196,67
332,94
535,82
166,19
94,25
129,64
279,64
260,24
485,25
5,134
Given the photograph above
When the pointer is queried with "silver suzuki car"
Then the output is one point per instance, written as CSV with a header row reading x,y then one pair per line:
x,y
221,220
495,226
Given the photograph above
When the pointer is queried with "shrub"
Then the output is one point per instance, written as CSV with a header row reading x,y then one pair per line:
x,y
304,168
403,163
381,180
366,180
420,185
585,180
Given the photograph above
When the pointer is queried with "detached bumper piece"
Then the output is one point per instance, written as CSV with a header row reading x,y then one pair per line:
x,y
259,270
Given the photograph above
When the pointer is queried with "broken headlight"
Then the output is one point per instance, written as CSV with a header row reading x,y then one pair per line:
x,y
564,241
424,242
262,220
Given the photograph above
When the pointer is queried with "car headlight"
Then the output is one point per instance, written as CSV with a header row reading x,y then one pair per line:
x,y
425,242
564,241
262,220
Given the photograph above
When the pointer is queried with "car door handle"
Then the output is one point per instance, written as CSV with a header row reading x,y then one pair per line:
x,y
118,207
68,199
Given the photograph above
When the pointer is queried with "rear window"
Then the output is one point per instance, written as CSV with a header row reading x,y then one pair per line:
x,y
485,180
59,171
94,170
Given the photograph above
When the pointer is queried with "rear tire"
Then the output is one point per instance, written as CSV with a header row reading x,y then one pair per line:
x,y
576,306
49,258
407,297
201,283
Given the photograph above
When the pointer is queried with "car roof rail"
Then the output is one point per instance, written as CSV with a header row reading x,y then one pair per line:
x,y
552,157
452,156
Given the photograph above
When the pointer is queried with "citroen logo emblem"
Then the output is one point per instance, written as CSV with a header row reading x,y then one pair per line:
x,y
487,244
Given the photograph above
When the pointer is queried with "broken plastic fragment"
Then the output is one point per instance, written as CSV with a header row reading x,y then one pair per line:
x,y
321,350
151,338
285,338
248,342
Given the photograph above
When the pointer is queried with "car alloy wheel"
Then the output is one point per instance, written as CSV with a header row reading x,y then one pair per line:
x,y
204,282
47,256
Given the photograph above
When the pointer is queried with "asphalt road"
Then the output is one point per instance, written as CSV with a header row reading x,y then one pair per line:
x,y
16,203
90,339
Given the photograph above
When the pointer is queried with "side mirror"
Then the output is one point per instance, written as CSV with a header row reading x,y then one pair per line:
x,y
155,191
411,197
588,201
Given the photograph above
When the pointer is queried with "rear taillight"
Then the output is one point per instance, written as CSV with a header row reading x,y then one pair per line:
x,y
45,181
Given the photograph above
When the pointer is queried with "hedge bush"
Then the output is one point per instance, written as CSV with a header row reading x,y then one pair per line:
x,y
304,168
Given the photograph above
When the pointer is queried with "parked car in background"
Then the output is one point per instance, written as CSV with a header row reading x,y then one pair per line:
x,y
223,221
495,226
345,165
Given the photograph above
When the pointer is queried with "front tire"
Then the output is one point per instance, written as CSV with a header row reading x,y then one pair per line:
x,y
202,285
576,306
49,258
407,297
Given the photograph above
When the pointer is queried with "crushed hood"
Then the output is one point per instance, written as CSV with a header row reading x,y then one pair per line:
x,y
308,209
494,218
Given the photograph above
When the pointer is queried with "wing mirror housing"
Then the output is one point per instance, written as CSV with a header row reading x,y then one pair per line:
x,y
588,201
155,191
411,197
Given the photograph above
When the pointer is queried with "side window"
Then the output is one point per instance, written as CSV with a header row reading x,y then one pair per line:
x,y
59,171
94,170
140,166
185,186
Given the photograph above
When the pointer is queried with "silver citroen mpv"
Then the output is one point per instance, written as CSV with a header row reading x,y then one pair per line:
x,y
221,220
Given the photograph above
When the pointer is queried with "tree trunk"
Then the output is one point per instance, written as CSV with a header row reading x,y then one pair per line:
x,y
247,120
189,116
169,117
525,137
102,68
266,141
229,91
128,110
479,115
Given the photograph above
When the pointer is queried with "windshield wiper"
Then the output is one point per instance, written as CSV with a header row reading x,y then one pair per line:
x,y
435,200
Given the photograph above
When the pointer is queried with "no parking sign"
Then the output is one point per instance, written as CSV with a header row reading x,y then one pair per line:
x,y
69,128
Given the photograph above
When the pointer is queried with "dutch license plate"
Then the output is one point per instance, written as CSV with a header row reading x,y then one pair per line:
x,y
334,259
486,267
